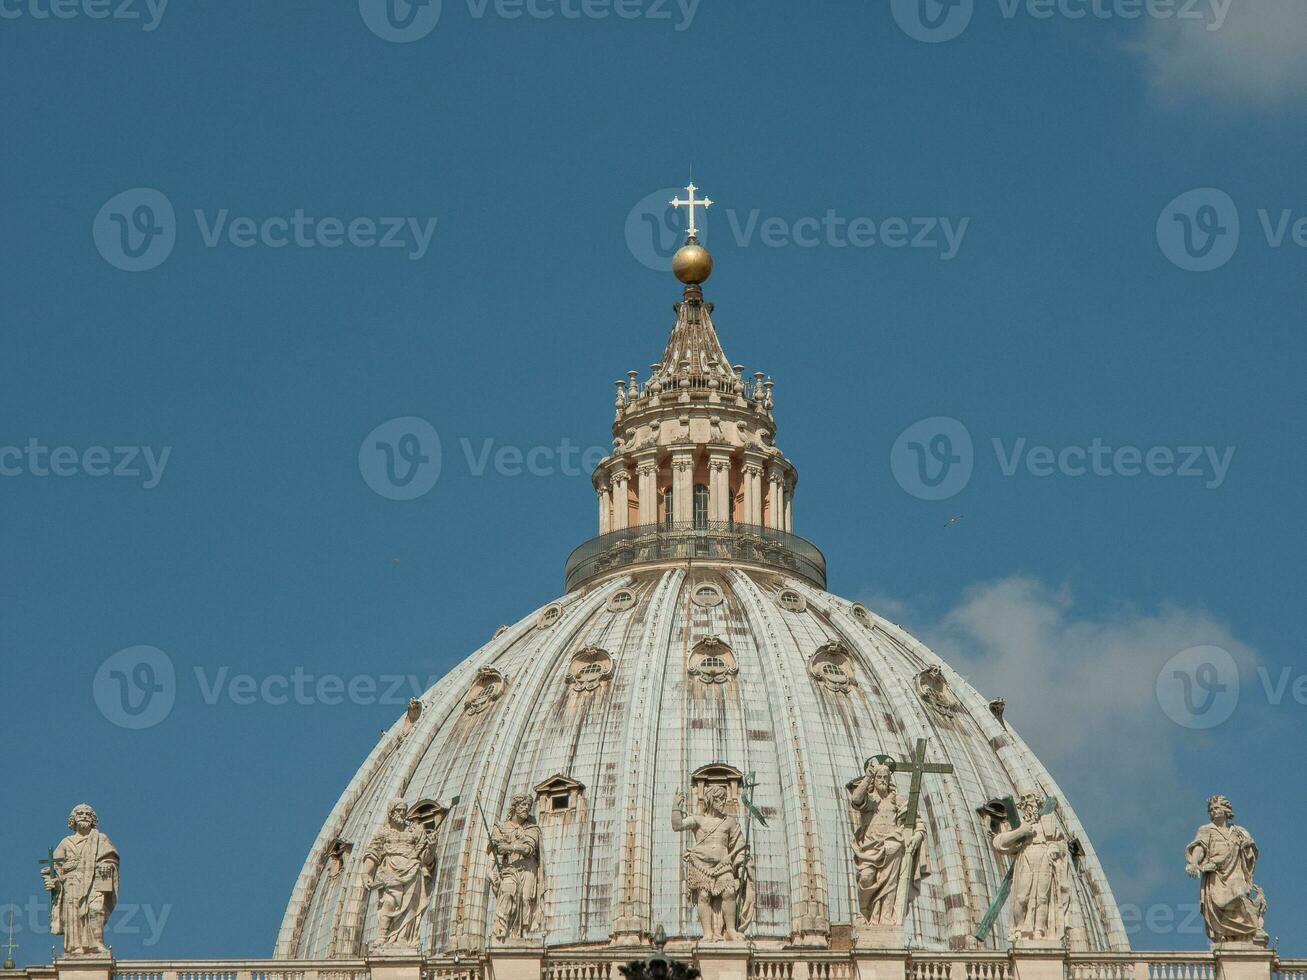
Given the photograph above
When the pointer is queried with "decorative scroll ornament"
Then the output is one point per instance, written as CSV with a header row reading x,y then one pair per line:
x,y
712,661
933,690
590,668
487,688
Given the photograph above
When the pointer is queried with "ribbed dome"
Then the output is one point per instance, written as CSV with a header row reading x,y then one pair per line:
x,y
613,691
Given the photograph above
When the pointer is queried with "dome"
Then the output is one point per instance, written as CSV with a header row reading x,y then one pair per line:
x,y
697,736
603,705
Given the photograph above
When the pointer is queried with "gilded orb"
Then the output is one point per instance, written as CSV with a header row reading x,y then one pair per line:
x,y
692,264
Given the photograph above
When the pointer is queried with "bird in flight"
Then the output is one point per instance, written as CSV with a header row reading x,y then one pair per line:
x,y
956,518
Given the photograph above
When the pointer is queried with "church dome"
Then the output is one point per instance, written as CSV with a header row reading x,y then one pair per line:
x,y
695,652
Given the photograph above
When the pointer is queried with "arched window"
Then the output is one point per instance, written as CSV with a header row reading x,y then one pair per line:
x,y
700,506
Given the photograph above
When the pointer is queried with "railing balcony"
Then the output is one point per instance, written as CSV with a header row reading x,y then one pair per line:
x,y
700,541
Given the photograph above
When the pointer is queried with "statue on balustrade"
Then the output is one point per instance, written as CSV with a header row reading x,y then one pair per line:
x,y
398,865
517,881
1223,855
887,856
716,866
81,875
1041,873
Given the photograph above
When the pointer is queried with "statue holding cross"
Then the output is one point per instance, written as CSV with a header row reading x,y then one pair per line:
x,y
887,838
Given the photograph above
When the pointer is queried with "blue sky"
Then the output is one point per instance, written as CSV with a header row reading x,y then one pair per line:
x,y
233,381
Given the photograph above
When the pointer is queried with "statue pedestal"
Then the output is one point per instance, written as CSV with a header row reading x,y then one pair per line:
x,y
515,962
95,967
395,965
1032,961
879,937
1243,961
880,964
722,961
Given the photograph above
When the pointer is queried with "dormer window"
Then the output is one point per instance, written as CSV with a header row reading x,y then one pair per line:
x,y
558,797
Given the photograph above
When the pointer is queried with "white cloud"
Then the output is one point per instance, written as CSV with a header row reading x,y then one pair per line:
x,y
1081,691
1255,56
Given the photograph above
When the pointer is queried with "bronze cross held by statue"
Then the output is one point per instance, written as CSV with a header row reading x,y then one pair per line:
x,y
917,765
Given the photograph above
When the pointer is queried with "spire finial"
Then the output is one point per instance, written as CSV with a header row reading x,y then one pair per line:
x,y
692,233
692,263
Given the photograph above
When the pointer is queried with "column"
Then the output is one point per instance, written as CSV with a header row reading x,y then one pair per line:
x,y
647,488
775,506
719,486
621,477
605,492
683,485
789,505
752,491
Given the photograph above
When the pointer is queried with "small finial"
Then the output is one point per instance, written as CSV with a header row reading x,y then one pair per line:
x,y
692,263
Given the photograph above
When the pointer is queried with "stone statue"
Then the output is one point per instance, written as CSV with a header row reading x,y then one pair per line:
x,y
716,866
1223,855
1041,874
886,854
82,879
515,843
398,865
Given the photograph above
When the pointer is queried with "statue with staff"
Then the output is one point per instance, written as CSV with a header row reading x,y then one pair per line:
x,y
717,873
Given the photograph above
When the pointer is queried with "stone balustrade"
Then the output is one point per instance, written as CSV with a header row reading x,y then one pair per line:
x,y
716,963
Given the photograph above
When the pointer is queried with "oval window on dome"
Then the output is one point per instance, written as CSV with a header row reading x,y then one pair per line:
x,y
590,668
487,688
621,600
712,661
707,594
791,601
832,667
551,614
861,614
